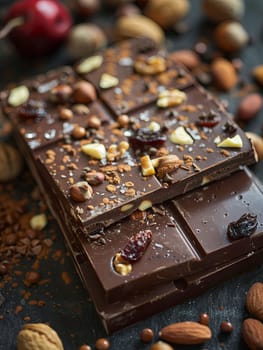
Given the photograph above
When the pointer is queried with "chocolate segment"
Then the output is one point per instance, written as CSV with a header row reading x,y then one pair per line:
x,y
172,138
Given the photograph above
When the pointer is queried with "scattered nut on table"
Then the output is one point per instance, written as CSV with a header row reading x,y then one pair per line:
x,y
38,336
10,162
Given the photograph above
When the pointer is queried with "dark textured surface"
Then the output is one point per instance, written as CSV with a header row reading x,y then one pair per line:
x,y
68,309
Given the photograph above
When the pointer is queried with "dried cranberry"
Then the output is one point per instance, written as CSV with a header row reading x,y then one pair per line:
x,y
208,120
229,128
146,137
33,110
136,246
245,226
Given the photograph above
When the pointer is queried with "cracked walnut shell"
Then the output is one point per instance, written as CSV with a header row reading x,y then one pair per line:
x,y
38,336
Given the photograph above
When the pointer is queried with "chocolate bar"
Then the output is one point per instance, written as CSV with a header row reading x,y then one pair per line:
x,y
190,251
103,164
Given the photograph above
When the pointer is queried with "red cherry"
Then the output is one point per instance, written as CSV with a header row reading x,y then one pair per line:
x,y
44,24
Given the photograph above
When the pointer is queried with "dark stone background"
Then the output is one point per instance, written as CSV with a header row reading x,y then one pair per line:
x,y
68,308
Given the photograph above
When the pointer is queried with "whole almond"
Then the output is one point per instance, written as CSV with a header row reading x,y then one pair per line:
x,y
231,36
254,300
160,345
257,142
224,74
258,74
38,336
186,333
252,331
249,106
138,26
186,57
220,10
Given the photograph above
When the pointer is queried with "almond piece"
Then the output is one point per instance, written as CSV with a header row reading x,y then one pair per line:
x,y
186,57
249,106
186,333
254,300
252,331
224,74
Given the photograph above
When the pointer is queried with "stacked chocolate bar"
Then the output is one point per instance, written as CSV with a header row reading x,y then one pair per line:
x,y
145,173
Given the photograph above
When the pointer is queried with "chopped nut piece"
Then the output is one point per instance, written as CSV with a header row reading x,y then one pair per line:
x,y
94,150
108,81
18,96
38,222
166,164
146,204
146,166
171,98
126,207
89,64
150,66
121,266
154,126
235,142
181,137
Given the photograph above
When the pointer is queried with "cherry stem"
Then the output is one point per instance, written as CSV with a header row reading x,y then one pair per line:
x,y
13,23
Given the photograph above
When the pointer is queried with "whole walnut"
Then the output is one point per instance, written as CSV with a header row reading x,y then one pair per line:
x,y
38,336
167,12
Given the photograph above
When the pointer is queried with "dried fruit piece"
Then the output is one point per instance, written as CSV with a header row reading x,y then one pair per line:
x,y
108,81
208,120
89,64
94,150
147,137
232,142
254,300
245,226
32,110
186,333
181,137
18,96
171,98
136,246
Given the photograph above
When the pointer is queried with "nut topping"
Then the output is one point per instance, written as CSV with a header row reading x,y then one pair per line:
x,y
80,191
146,166
171,98
150,65
94,150
89,64
84,92
60,93
18,96
232,142
121,266
108,81
181,137
94,178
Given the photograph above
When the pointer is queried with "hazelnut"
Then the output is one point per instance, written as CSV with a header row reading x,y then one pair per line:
x,y
10,163
146,335
221,10
65,114
94,122
94,178
80,109
102,344
167,12
84,92
86,7
85,39
78,132
231,36
60,93
123,120
80,191
161,345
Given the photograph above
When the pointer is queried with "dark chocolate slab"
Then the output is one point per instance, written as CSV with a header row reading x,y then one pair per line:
x,y
137,306
125,189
